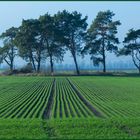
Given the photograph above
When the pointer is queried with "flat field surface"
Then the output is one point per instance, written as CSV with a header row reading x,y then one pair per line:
x,y
69,107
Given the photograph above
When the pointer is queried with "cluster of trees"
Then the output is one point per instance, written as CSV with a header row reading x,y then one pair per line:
x,y
49,37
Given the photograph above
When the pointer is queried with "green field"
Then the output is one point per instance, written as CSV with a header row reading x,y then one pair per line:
x,y
69,107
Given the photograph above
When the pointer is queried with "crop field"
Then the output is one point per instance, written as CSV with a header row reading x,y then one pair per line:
x,y
114,97
62,107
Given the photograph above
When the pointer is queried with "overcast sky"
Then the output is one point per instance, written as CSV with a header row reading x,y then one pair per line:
x,y
12,13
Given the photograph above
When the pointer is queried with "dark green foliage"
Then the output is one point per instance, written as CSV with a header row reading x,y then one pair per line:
x,y
38,39
73,28
26,69
9,50
132,47
101,37
50,34
30,43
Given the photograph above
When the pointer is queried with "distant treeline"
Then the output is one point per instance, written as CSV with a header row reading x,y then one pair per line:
x,y
50,36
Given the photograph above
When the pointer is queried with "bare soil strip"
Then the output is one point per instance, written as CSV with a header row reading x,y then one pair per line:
x,y
47,111
55,109
94,111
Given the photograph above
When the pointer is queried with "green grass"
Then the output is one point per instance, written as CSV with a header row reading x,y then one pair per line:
x,y
21,129
75,128
94,128
23,101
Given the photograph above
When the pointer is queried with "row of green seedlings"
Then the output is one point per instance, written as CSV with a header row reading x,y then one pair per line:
x,y
7,88
18,98
31,102
11,92
101,101
67,103
109,98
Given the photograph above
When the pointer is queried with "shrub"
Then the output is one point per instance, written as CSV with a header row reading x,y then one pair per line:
x,y
27,69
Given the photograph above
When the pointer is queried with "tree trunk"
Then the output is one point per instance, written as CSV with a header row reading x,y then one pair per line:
x,y
104,58
76,65
73,52
139,70
10,64
104,62
32,60
134,61
38,66
33,63
11,67
51,63
12,59
39,56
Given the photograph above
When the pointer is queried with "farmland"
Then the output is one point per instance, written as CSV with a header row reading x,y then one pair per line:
x,y
62,107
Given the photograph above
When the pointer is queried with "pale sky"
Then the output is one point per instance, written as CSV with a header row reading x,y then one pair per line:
x,y
12,13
